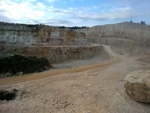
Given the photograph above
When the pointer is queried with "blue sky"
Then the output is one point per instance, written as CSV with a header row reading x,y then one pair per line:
x,y
74,12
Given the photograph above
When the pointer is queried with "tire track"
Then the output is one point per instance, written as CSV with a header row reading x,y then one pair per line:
x,y
46,74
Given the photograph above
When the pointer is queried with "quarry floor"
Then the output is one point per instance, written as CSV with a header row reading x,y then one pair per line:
x,y
95,88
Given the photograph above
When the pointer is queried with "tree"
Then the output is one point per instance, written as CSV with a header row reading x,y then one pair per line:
x,y
143,22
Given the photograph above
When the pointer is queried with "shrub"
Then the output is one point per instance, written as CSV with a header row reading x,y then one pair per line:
x,y
17,63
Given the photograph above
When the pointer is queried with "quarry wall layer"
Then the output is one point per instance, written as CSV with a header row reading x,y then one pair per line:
x,y
59,45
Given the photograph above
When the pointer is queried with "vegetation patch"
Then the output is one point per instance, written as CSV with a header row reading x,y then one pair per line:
x,y
20,64
8,95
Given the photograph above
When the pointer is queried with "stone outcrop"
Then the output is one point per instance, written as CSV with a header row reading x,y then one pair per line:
x,y
33,34
122,35
138,85
55,44
59,45
56,53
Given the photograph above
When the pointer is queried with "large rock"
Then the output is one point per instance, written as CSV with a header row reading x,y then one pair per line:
x,y
138,85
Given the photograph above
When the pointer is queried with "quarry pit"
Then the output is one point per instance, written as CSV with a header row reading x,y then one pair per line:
x,y
89,68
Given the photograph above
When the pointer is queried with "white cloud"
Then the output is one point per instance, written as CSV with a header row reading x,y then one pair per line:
x,y
29,11
50,0
121,9
112,14
24,10
41,5
4,18
17,11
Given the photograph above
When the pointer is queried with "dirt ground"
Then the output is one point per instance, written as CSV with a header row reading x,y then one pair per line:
x,y
96,88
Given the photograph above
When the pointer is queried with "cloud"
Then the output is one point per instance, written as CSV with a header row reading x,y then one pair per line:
x,y
112,14
33,11
58,22
4,18
50,0
20,11
28,12
41,5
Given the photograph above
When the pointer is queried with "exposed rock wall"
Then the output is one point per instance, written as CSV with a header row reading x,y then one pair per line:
x,y
56,53
122,35
55,44
59,45
32,34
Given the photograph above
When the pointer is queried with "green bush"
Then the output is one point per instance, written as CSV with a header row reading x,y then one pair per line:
x,y
17,63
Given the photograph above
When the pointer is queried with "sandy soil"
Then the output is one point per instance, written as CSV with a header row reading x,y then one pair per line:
x,y
96,88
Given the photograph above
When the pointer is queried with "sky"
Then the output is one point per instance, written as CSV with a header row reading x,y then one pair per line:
x,y
74,12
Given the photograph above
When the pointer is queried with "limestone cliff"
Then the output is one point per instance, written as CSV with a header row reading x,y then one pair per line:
x,y
33,34
56,53
59,45
55,44
122,35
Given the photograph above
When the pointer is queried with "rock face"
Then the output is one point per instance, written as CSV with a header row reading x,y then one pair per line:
x,y
33,34
59,45
56,53
122,35
138,85
55,44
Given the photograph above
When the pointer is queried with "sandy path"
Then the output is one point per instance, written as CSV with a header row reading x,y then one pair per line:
x,y
114,58
35,76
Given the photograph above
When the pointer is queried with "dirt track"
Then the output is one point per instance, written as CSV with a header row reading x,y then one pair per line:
x,y
97,88
35,76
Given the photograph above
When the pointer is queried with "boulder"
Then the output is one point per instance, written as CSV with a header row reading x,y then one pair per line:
x,y
138,85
